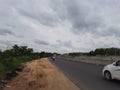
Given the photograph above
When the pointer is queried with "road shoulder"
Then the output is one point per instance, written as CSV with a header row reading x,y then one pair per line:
x,y
41,74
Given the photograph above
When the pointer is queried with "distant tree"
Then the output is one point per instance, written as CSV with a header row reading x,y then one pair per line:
x,y
91,53
42,54
15,50
29,50
105,51
0,51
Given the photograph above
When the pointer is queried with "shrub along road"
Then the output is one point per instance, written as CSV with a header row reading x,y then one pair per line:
x,y
86,76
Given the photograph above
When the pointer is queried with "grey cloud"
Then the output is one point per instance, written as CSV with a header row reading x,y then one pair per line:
x,y
40,42
43,18
6,43
20,36
111,31
10,25
80,14
64,43
6,32
114,31
81,18
59,8
86,16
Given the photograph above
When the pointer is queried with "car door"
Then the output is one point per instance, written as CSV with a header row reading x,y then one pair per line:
x,y
117,70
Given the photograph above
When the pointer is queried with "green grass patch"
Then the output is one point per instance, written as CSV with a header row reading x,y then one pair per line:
x,y
11,63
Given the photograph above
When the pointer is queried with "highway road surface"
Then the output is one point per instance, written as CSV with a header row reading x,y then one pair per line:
x,y
86,76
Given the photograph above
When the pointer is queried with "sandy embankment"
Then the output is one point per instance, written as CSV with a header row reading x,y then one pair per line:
x,y
40,75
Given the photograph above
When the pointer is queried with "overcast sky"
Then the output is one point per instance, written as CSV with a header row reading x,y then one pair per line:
x,y
60,25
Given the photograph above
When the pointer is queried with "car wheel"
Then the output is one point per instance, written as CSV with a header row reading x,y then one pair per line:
x,y
107,75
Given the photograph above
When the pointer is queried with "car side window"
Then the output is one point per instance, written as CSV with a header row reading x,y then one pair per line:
x,y
118,63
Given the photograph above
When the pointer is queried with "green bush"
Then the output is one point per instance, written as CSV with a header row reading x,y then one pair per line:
x,y
12,58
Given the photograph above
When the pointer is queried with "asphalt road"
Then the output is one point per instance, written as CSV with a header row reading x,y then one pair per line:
x,y
86,76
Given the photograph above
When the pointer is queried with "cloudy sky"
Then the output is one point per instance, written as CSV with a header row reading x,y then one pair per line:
x,y
60,25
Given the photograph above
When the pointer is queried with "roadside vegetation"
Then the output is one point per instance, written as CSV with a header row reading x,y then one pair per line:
x,y
99,51
12,58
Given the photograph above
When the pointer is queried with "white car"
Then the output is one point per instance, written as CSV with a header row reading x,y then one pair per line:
x,y
112,71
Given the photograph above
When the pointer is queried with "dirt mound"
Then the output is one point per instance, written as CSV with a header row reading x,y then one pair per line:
x,y
40,75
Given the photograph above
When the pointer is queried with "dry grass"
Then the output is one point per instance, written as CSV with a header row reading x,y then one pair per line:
x,y
41,75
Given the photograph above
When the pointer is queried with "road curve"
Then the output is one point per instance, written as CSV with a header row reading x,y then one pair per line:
x,y
86,76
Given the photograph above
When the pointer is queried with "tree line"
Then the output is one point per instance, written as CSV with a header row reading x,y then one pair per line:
x,y
105,52
16,55
99,51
